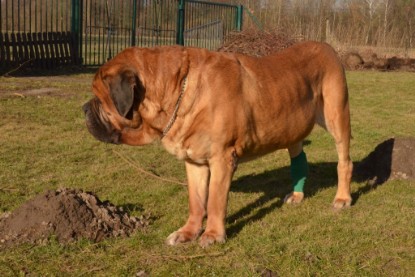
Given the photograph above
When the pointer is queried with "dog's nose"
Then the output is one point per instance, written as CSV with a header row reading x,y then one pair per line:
x,y
86,108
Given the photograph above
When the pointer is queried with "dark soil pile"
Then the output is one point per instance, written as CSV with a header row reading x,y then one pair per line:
x,y
68,215
370,60
257,43
392,159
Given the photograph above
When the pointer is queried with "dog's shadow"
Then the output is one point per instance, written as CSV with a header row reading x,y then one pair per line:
x,y
274,185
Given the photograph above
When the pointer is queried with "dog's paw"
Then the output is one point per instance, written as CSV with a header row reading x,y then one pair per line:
x,y
341,203
209,238
181,237
294,198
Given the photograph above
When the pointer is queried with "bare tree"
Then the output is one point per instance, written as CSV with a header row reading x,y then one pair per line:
x,y
351,22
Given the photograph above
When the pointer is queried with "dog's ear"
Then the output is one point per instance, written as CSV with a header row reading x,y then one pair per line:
x,y
122,87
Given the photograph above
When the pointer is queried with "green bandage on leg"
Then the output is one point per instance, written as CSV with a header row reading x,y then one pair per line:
x,y
299,171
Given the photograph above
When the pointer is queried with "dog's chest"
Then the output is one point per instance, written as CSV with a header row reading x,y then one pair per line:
x,y
196,153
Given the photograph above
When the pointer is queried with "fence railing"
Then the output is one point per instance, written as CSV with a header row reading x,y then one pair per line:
x,y
35,16
110,26
99,29
206,24
44,50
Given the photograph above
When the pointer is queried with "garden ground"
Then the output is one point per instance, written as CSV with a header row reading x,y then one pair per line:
x,y
45,146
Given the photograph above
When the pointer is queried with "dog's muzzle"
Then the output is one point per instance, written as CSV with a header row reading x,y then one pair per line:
x,y
97,125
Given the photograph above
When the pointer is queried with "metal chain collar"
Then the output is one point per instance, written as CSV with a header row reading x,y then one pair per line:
x,y
176,108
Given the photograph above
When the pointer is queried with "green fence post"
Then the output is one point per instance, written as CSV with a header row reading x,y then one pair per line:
x,y
180,23
76,27
256,21
239,17
134,25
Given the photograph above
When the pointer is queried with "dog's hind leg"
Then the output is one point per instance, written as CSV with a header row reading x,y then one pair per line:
x,y
336,115
298,172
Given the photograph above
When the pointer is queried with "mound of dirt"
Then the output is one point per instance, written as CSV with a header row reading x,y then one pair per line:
x,y
370,60
352,61
257,43
68,215
392,159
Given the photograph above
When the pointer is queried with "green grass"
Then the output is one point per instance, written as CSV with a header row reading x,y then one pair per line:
x,y
45,145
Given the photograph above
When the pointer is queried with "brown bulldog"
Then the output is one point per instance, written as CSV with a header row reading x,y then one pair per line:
x,y
214,110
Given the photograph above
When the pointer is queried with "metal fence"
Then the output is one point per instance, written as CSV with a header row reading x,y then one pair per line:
x,y
102,28
108,26
207,24
35,16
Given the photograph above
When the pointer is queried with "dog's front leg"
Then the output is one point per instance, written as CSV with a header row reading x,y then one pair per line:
x,y
197,182
222,169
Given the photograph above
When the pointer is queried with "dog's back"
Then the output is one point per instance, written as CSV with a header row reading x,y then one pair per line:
x,y
274,100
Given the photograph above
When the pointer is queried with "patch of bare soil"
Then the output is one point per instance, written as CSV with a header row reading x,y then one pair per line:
x,y
39,91
391,159
257,43
68,215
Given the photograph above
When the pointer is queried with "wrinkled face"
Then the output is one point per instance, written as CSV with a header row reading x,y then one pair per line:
x,y
114,106
98,124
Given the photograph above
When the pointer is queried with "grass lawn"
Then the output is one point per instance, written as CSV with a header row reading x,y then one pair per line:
x,y
45,145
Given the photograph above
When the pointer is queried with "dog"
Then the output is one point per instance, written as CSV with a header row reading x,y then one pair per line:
x,y
214,110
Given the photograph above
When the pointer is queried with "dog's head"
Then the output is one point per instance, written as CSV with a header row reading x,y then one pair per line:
x,y
122,85
118,92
